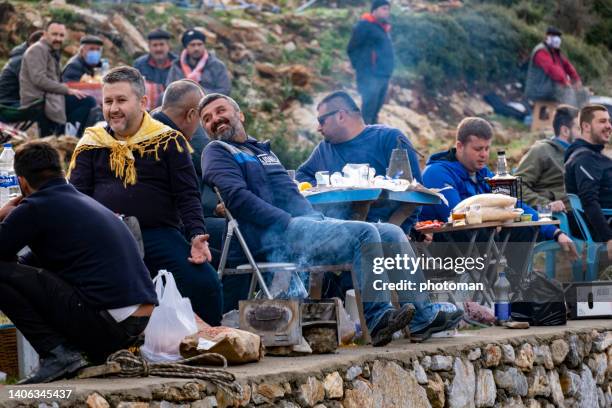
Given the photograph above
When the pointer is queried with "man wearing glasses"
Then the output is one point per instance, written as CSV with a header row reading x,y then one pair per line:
x,y
349,140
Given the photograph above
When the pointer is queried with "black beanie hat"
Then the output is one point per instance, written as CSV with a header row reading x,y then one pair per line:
x,y
553,31
190,35
379,3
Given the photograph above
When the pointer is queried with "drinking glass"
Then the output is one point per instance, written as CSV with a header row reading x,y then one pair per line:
x,y
544,212
322,178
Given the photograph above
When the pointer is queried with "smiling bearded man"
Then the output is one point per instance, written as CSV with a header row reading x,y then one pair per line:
x,y
140,167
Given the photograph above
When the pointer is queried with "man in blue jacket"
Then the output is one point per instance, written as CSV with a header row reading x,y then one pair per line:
x,y
349,140
280,224
461,172
93,293
371,53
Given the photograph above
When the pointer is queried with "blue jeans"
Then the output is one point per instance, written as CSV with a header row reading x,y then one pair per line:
x,y
319,239
167,248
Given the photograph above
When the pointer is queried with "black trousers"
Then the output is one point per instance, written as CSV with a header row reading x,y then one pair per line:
x,y
50,312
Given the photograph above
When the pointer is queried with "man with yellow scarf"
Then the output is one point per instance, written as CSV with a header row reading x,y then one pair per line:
x,y
138,166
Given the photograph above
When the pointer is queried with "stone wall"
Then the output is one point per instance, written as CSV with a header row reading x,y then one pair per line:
x,y
560,367
568,370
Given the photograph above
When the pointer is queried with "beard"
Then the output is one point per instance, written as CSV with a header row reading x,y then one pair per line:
x,y
228,134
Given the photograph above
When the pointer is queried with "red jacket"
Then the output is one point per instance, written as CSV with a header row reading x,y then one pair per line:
x,y
556,66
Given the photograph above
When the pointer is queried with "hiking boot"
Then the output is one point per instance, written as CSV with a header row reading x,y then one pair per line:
x,y
392,321
60,363
443,321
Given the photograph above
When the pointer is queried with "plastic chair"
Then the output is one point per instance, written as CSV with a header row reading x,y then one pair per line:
x,y
592,248
24,116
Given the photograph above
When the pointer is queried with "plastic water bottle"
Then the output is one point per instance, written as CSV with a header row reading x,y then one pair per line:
x,y
9,187
502,294
105,66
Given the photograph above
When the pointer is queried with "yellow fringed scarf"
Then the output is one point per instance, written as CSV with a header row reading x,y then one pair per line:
x,y
147,140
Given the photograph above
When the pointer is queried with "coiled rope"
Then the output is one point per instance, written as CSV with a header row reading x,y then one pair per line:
x,y
134,366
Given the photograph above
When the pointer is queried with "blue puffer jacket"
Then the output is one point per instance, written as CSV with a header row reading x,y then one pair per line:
x,y
444,170
257,190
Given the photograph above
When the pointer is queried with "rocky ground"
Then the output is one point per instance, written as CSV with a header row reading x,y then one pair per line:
x,y
281,64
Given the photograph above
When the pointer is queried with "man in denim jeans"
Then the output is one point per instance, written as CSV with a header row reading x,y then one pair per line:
x,y
278,222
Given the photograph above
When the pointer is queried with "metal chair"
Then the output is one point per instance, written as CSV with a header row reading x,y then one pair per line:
x,y
256,269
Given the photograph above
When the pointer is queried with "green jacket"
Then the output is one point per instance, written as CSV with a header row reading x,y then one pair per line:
x,y
542,171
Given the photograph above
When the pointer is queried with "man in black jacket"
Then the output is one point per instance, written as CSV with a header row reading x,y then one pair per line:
x,y
9,77
85,61
94,293
179,110
588,172
371,53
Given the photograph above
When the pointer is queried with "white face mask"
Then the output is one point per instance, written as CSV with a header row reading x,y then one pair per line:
x,y
553,41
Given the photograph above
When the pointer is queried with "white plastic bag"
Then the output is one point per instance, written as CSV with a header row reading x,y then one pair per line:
x,y
170,322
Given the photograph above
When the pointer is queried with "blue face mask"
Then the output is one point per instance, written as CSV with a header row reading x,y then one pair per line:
x,y
93,57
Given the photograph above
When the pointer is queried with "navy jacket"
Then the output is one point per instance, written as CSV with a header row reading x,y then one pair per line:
x,y
370,49
81,241
165,195
9,77
76,67
150,71
257,190
198,142
588,174
373,146
444,170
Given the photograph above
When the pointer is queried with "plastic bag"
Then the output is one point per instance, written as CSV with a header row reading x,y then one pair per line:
x,y
170,322
548,310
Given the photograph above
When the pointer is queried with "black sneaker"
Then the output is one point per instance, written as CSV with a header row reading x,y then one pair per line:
x,y
60,363
443,321
392,321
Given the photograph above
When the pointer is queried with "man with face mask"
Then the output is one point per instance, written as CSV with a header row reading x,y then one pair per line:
x,y
40,78
200,65
542,167
155,65
371,53
138,166
551,77
84,62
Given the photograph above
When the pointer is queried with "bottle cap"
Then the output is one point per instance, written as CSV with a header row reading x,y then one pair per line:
x,y
7,145
499,152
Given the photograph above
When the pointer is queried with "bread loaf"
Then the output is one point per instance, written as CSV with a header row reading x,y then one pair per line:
x,y
487,200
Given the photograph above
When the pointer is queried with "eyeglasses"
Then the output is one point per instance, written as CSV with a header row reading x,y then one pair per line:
x,y
321,119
